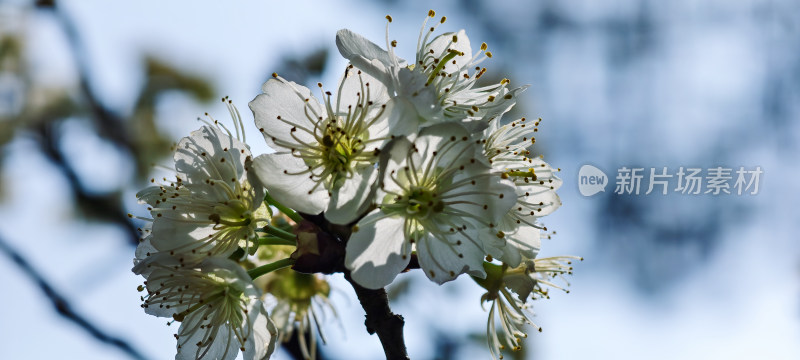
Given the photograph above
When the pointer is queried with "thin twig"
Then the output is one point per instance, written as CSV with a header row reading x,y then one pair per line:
x,y
63,307
109,125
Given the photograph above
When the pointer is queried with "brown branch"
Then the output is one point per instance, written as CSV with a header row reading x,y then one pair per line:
x,y
327,258
381,320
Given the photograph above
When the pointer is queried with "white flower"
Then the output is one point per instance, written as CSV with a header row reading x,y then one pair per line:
x,y
301,301
513,315
534,277
536,186
325,153
508,143
211,208
517,234
529,281
436,194
215,302
439,86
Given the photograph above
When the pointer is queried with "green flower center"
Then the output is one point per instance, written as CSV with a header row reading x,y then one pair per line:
x,y
340,148
421,202
298,288
218,294
233,213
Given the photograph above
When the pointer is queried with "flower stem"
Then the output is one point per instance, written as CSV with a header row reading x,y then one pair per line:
x,y
274,240
280,233
265,269
282,208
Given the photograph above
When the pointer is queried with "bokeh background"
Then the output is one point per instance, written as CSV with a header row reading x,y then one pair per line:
x,y
92,94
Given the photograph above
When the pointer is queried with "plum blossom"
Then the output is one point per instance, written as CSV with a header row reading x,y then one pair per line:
x,y
325,152
436,195
509,291
301,304
534,278
210,208
216,303
517,234
440,85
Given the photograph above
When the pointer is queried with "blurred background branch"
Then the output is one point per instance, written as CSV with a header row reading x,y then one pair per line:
x,y
62,306
40,114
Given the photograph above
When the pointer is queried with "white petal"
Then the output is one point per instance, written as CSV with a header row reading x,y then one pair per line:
x,y
542,200
375,252
294,191
530,241
264,335
460,148
424,98
181,237
149,195
545,172
353,85
367,56
280,314
286,100
443,42
522,242
144,266
541,194
520,284
225,346
351,199
209,153
392,158
231,272
441,261
498,197
351,44
145,248
504,106
401,118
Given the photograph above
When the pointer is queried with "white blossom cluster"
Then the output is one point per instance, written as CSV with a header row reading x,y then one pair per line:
x,y
412,157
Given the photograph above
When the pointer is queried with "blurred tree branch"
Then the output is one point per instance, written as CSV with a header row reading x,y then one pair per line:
x,y
136,136
63,307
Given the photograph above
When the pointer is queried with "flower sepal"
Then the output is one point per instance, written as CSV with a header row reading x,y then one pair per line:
x,y
494,276
317,250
